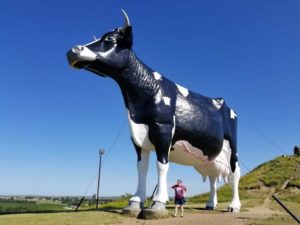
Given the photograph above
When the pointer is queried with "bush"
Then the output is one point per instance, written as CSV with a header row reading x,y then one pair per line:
x,y
119,203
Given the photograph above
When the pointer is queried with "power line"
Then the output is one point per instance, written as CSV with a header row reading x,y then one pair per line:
x,y
91,182
263,135
108,152
244,165
115,141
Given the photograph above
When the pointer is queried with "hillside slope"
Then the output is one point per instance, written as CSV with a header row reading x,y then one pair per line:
x,y
280,175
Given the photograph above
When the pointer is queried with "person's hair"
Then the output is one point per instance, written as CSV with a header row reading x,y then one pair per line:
x,y
180,181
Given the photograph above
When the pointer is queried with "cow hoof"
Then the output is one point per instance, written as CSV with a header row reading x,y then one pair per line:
x,y
158,206
133,209
209,207
156,211
233,210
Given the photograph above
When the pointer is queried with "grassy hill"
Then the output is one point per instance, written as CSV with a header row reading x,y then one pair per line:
x,y
270,177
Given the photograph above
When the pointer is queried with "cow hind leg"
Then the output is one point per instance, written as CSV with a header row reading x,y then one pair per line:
x,y
212,202
235,204
161,196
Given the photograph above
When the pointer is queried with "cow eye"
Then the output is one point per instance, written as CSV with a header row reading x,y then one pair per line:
x,y
110,38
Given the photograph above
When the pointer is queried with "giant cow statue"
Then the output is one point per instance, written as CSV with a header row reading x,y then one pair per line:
x,y
181,126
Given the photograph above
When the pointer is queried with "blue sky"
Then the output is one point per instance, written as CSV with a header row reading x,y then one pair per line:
x,y
53,119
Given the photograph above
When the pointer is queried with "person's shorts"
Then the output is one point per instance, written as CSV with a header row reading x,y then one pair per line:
x,y
179,201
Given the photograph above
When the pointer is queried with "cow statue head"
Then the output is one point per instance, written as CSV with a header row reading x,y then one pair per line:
x,y
105,56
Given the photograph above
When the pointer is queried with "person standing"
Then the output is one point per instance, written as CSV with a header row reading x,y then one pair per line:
x,y
180,191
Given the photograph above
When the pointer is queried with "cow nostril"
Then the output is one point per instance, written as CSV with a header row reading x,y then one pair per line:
x,y
77,49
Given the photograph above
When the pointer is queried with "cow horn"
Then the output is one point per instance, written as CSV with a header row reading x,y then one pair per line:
x,y
127,22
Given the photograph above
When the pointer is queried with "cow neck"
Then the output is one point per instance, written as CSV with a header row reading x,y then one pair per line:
x,y
136,81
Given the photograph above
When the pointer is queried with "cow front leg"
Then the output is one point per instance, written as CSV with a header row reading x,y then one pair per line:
x,y
235,204
161,135
136,202
142,168
212,202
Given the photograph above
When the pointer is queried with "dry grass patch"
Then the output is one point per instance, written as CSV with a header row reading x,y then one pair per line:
x,y
70,218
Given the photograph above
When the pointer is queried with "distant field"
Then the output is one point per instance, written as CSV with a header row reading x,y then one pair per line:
x,y
13,206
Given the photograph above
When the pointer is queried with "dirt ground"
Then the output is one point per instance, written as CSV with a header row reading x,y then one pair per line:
x,y
254,212
193,218
217,217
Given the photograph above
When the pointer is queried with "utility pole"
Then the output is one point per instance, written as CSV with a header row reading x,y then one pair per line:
x,y
101,152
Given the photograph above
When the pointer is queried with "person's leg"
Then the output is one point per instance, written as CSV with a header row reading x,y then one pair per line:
x,y
176,210
181,207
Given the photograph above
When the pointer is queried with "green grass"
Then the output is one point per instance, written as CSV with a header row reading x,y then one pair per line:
x,y
11,206
275,172
289,196
281,168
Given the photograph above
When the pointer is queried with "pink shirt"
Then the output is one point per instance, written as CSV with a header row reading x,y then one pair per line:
x,y
179,190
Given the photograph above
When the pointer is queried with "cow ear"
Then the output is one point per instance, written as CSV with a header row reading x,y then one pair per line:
x,y
127,39
126,30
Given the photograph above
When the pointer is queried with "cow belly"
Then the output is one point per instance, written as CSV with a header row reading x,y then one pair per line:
x,y
184,153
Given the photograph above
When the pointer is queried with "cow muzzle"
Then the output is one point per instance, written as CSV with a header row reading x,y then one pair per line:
x,y
80,55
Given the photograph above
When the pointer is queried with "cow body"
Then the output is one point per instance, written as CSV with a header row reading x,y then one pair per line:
x,y
181,126
201,121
